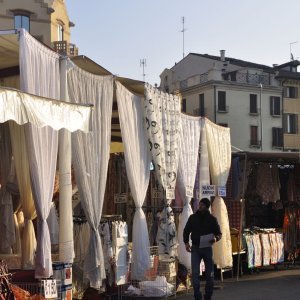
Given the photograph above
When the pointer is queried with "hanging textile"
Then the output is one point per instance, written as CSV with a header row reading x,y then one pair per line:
x,y
8,237
28,208
53,225
137,159
189,148
39,75
90,158
162,117
204,175
219,153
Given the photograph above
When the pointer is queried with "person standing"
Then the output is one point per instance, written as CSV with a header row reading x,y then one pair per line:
x,y
205,231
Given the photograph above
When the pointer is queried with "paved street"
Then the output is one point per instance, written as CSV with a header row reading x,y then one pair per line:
x,y
268,285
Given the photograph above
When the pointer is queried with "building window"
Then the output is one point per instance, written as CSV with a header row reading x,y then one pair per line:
x,y
274,106
60,32
183,108
22,21
222,101
291,123
201,105
253,104
277,137
291,92
254,136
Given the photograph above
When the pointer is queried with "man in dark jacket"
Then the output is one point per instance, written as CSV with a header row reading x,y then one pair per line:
x,y
205,231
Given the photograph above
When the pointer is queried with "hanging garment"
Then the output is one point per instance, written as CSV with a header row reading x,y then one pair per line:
x,y
250,250
280,247
274,248
257,250
266,249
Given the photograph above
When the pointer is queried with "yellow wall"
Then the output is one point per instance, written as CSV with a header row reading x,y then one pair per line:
x,y
42,22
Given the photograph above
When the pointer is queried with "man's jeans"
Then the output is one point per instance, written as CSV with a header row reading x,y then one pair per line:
x,y
206,255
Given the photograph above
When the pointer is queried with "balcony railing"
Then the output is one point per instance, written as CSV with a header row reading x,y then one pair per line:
x,y
63,47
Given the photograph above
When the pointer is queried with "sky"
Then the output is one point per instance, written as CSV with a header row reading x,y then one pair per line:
x,y
118,34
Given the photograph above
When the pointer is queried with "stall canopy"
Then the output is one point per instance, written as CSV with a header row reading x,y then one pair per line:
x,y
26,108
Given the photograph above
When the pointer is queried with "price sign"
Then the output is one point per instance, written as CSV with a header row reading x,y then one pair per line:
x,y
208,190
120,198
50,288
170,194
189,192
222,191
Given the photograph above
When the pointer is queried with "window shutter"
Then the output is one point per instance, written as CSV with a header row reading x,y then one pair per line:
x,y
271,105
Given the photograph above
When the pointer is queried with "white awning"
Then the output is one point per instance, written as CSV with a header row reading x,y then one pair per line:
x,y
25,108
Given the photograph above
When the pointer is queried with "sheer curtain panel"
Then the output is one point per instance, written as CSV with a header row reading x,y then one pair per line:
x,y
187,168
90,158
219,152
39,75
6,205
137,160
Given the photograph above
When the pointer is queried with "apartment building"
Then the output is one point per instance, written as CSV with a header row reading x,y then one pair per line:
x,y
46,20
244,96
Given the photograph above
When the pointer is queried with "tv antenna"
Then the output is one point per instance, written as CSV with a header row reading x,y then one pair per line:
x,y
143,64
183,30
291,54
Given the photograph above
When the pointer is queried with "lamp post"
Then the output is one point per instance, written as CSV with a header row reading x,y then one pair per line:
x,y
261,124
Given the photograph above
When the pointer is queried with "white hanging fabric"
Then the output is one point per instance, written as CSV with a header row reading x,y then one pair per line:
x,y
8,237
219,153
137,160
53,225
187,168
28,208
39,75
162,117
90,158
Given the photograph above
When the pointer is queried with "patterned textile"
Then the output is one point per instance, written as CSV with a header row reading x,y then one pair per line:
x,y
280,247
250,250
274,248
257,250
162,118
266,249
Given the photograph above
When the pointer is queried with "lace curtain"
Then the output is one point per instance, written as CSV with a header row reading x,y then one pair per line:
x,y
90,158
187,168
162,117
219,152
137,159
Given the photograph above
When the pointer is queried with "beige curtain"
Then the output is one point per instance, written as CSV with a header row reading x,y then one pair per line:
x,y
219,154
23,176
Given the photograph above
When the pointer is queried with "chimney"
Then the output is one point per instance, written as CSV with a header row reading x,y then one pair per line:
x,y
222,55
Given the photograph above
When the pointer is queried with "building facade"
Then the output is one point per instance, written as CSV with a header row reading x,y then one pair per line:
x,y
244,96
46,20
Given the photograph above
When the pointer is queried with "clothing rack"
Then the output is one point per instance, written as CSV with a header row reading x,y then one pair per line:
x,y
111,218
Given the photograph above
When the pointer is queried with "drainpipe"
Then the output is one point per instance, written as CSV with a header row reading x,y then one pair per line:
x,y
215,102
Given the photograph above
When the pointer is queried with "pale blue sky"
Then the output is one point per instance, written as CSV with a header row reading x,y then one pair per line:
x,y
118,33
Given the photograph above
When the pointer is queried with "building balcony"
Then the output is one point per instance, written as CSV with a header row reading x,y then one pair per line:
x,y
291,141
65,48
291,106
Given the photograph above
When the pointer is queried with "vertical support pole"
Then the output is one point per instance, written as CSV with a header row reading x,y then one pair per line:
x,y
66,243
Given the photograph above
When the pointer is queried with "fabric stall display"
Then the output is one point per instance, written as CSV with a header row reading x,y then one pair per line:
x,y
53,225
162,118
90,158
219,153
137,159
38,64
187,168
291,229
8,237
264,247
